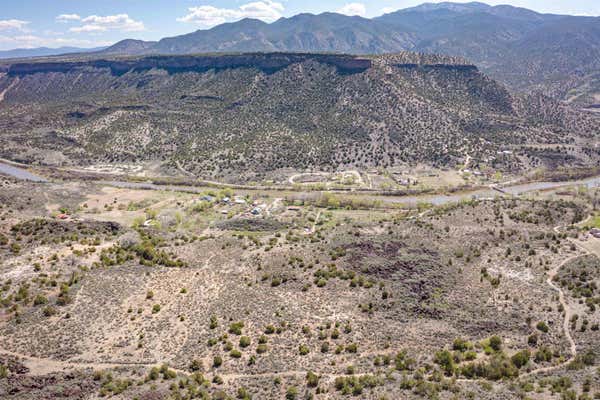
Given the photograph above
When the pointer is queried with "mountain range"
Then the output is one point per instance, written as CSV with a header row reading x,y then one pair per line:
x,y
45,52
556,54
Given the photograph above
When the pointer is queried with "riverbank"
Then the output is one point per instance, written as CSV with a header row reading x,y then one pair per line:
x,y
406,199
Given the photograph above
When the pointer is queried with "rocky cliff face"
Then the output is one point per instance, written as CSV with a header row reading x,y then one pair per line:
x,y
268,63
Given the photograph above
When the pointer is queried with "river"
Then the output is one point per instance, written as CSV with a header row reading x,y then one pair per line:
x,y
20,173
437,200
513,190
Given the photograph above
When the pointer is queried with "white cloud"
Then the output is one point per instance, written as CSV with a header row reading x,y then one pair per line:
x,y
68,17
353,9
120,22
13,24
208,16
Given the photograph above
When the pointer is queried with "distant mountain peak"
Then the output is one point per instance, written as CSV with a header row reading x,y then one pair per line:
x,y
457,7
129,46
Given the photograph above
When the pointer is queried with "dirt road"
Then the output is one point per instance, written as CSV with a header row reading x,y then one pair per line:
x,y
568,311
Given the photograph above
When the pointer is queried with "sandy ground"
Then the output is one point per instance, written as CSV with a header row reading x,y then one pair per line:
x,y
592,245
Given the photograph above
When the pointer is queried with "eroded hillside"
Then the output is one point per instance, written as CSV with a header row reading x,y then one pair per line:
x,y
239,116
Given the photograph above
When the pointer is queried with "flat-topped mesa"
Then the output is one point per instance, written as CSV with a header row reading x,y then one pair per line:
x,y
266,62
410,60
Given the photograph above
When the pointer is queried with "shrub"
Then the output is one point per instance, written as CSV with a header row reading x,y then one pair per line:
x,y
39,300
196,365
312,379
498,367
235,353
445,360
244,341
261,348
155,308
582,360
355,384
291,393
351,348
49,311
217,361
402,362
542,327
461,345
496,343
243,394
303,350
15,248
236,328
532,339
269,329
544,354
521,358
153,374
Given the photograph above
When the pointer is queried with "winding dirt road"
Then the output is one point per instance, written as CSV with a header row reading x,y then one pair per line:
x,y
568,312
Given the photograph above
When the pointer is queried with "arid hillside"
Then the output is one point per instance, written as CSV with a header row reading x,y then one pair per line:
x,y
239,116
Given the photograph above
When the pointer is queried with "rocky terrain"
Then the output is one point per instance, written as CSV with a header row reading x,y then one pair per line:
x,y
152,294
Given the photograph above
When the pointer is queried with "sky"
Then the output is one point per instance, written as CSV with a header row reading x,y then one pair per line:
x,y
93,23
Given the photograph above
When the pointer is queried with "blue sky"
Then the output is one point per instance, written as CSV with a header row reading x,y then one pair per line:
x,y
90,23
